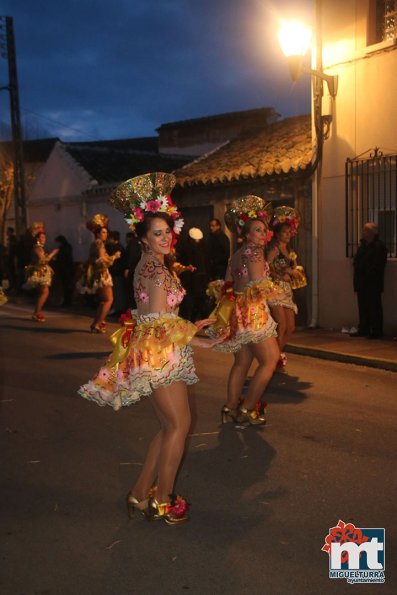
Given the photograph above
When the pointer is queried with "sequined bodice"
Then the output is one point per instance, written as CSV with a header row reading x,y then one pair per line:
x,y
248,264
279,264
156,289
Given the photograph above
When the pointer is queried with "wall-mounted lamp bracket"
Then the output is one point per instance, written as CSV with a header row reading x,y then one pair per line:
x,y
295,64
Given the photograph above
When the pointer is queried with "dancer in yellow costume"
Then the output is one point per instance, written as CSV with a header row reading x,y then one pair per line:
x,y
39,273
244,312
285,273
152,352
96,276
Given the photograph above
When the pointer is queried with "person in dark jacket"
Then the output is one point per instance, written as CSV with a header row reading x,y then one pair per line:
x,y
369,268
218,251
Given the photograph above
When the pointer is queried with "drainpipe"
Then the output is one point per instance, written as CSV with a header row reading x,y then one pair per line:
x,y
314,294
317,93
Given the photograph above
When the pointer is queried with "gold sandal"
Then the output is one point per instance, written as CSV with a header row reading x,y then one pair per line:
x,y
134,504
172,512
250,416
228,415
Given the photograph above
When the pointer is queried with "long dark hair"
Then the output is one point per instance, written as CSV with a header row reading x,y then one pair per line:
x,y
142,228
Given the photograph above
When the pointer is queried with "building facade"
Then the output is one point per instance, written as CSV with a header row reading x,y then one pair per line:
x,y
356,182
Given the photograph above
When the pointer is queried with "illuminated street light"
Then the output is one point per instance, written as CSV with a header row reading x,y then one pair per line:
x,y
294,39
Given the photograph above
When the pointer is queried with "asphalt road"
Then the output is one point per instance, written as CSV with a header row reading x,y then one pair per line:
x,y
263,499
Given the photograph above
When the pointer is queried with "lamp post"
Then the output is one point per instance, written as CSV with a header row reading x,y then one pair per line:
x,y
295,39
8,52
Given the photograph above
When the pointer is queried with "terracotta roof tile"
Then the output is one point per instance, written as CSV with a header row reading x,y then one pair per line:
x,y
282,147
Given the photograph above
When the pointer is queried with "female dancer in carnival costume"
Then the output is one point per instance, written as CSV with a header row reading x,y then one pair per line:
x,y
38,273
285,273
243,311
152,352
96,277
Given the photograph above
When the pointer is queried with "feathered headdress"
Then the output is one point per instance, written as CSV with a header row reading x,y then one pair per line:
x,y
148,193
37,227
245,208
288,216
96,222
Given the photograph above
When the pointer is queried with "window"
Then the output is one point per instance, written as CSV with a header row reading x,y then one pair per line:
x,y
386,20
371,191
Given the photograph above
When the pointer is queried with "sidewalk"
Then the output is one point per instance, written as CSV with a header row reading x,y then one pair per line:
x,y
320,343
338,346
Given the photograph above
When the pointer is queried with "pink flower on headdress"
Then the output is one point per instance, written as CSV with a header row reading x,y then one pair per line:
x,y
152,206
137,215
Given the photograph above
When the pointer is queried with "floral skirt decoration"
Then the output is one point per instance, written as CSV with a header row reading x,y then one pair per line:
x,y
37,274
93,278
287,300
149,351
244,316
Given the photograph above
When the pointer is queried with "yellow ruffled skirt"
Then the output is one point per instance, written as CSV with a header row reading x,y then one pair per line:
x,y
93,278
245,317
149,351
37,274
287,299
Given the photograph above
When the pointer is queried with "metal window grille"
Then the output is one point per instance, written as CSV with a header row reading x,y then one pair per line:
x,y
371,195
386,20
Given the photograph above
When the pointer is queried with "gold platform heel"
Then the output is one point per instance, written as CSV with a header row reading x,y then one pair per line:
x,y
172,512
228,415
134,504
250,416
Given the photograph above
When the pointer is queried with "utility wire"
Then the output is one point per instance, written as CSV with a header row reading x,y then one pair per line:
x,y
60,124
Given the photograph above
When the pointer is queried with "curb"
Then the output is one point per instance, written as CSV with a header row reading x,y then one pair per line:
x,y
345,358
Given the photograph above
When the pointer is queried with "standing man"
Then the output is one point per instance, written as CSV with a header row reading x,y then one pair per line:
x,y
218,251
369,268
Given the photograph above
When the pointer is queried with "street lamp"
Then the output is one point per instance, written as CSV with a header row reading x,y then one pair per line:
x,y
294,39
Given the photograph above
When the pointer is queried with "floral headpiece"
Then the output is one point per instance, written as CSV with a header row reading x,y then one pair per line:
x,y
288,216
37,227
96,222
149,193
245,208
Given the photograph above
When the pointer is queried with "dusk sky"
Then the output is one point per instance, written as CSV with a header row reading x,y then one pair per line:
x,y
95,69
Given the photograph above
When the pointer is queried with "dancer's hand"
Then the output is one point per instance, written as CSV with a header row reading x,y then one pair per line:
x,y
207,343
205,322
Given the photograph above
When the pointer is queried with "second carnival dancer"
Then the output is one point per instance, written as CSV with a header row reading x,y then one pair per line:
x,y
285,273
96,278
152,352
244,312
39,273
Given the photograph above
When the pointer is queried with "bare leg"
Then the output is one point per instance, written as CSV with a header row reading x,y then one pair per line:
x,y
279,315
105,301
290,327
237,375
44,291
148,475
267,354
166,450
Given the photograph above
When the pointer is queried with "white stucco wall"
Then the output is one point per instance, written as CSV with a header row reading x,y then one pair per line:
x,y
57,198
363,118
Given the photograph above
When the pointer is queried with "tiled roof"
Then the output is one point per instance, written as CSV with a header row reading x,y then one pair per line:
x,y
282,147
264,111
108,164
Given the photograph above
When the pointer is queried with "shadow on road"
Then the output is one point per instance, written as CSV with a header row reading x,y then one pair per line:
x,y
284,388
